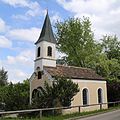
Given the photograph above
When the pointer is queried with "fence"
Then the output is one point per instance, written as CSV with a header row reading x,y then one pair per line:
x,y
57,108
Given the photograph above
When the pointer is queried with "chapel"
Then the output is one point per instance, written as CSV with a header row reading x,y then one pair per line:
x,y
92,86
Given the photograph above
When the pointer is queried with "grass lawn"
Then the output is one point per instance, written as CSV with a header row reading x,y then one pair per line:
x,y
67,116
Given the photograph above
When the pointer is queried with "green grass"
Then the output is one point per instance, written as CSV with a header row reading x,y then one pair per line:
x,y
67,116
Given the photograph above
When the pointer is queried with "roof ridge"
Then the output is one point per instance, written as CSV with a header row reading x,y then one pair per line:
x,y
74,67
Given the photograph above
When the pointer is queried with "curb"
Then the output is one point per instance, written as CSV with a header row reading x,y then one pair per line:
x,y
85,116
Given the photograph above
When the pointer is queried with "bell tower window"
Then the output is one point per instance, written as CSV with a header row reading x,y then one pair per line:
x,y
49,52
38,52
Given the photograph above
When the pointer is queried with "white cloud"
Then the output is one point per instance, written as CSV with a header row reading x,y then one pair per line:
x,y
21,17
0,64
104,15
77,6
19,67
56,17
17,75
5,43
34,8
17,3
24,58
31,34
3,25
29,14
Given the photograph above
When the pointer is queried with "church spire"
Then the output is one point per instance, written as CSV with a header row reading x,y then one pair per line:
x,y
46,32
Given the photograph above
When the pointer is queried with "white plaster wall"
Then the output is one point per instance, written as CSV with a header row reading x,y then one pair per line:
x,y
92,86
45,60
43,53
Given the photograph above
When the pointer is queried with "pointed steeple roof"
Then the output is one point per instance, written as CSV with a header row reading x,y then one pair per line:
x,y
46,32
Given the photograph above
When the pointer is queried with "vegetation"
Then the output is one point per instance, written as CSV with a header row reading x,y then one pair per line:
x,y
15,96
61,93
111,50
76,39
113,88
3,77
111,46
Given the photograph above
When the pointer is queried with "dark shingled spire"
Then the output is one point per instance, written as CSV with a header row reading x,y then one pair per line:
x,y
46,33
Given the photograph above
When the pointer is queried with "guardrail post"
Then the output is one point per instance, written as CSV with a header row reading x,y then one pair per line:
x,y
40,114
114,104
53,111
79,109
100,106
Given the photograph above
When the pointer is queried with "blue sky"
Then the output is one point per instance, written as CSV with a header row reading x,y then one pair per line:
x,y
21,22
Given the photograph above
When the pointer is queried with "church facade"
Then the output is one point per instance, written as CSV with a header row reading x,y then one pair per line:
x,y
92,86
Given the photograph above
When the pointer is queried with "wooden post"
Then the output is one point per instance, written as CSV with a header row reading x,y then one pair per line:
x,y
114,104
40,114
79,109
53,112
100,106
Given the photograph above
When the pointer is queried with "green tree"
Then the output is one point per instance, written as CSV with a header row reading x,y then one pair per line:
x,y
75,38
61,91
15,96
108,63
3,77
113,90
108,68
111,47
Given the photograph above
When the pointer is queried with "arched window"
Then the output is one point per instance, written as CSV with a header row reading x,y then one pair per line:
x,y
85,96
38,52
99,95
37,92
40,90
49,52
39,75
34,93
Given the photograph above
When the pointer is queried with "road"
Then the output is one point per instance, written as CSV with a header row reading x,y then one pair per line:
x,y
114,115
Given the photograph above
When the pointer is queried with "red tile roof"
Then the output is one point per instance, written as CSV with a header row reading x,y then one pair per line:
x,y
73,72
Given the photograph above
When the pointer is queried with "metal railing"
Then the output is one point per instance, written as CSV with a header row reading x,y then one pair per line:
x,y
57,108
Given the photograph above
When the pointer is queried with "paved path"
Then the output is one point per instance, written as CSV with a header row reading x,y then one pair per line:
x,y
114,115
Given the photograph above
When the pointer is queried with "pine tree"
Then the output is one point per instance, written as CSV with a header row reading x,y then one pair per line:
x,y
3,77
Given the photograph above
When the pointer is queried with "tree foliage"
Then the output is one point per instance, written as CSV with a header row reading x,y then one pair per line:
x,y
60,92
76,40
113,89
3,77
108,68
110,64
111,47
15,96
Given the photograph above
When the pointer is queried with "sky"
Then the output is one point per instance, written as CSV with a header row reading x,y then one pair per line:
x,y
21,22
